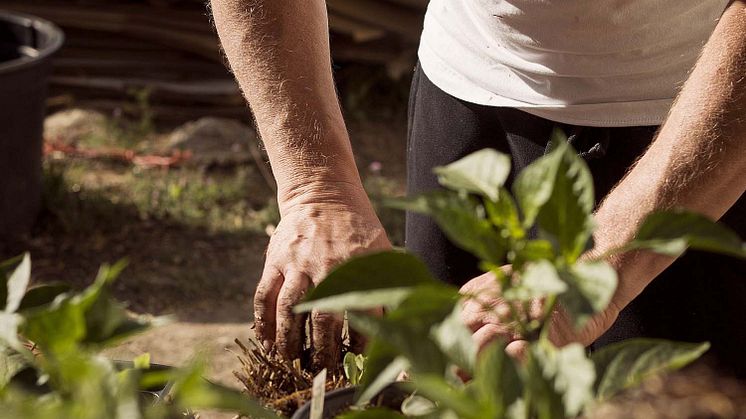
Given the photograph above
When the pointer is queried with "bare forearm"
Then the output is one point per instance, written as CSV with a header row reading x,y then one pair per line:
x,y
279,52
698,160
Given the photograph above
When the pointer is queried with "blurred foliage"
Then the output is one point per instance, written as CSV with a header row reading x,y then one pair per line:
x,y
51,367
422,330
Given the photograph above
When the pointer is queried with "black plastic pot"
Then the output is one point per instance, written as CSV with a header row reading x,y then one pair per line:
x,y
26,45
339,401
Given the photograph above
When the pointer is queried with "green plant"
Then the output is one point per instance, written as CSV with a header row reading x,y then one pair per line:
x,y
421,330
50,366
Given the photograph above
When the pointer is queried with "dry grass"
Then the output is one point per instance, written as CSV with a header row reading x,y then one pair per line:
x,y
281,385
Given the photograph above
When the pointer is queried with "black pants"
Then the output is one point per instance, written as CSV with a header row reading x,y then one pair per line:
x,y
701,297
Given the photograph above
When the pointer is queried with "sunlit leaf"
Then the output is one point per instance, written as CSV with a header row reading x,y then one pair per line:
x,y
557,192
671,232
11,363
190,390
570,375
383,365
368,273
538,280
436,388
482,172
40,295
407,340
503,213
532,250
9,323
7,267
416,405
454,339
349,366
142,361
358,300
463,220
591,286
17,284
496,381
534,185
626,364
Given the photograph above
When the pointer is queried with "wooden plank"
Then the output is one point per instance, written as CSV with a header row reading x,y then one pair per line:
x,y
118,84
401,21
359,31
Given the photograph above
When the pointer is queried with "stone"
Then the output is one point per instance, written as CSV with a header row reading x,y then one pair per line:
x,y
71,126
213,141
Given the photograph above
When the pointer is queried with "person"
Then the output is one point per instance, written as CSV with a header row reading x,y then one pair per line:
x,y
652,93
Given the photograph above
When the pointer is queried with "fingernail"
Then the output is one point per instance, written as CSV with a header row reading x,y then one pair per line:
x,y
267,345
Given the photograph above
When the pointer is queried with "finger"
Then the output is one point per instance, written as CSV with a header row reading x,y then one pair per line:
x,y
517,349
326,339
475,314
265,305
358,341
290,326
489,333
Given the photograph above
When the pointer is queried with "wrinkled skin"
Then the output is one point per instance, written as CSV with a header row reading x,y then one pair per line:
x,y
484,313
308,242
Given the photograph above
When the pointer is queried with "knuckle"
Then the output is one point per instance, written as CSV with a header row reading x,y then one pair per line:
x,y
325,318
285,303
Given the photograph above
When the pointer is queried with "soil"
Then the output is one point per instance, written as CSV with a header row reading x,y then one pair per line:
x,y
203,277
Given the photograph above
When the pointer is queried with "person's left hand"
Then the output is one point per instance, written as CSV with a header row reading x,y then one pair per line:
x,y
487,316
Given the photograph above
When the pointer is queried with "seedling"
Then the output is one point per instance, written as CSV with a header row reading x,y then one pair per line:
x,y
421,331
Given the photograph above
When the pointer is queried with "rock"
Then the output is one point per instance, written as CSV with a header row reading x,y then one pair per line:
x,y
213,141
74,125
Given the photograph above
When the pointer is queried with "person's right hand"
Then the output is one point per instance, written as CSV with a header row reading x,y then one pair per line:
x,y
314,234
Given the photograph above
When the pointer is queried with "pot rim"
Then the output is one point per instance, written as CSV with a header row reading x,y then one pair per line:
x,y
57,37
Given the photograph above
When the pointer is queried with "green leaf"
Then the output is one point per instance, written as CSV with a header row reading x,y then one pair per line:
x,y
482,172
496,382
7,267
566,216
503,214
42,294
376,271
406,340
142,361
407,328
17,284
9,323
671,232
539,279
191,391
91,317
416,405
56,328
591,286
358,300
435,388
626,364
11,363
383,365
532,250
570,375
557,192
455,340
534,185
462,218
353,367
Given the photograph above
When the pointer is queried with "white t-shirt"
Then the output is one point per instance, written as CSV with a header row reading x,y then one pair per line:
x,y
583,62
